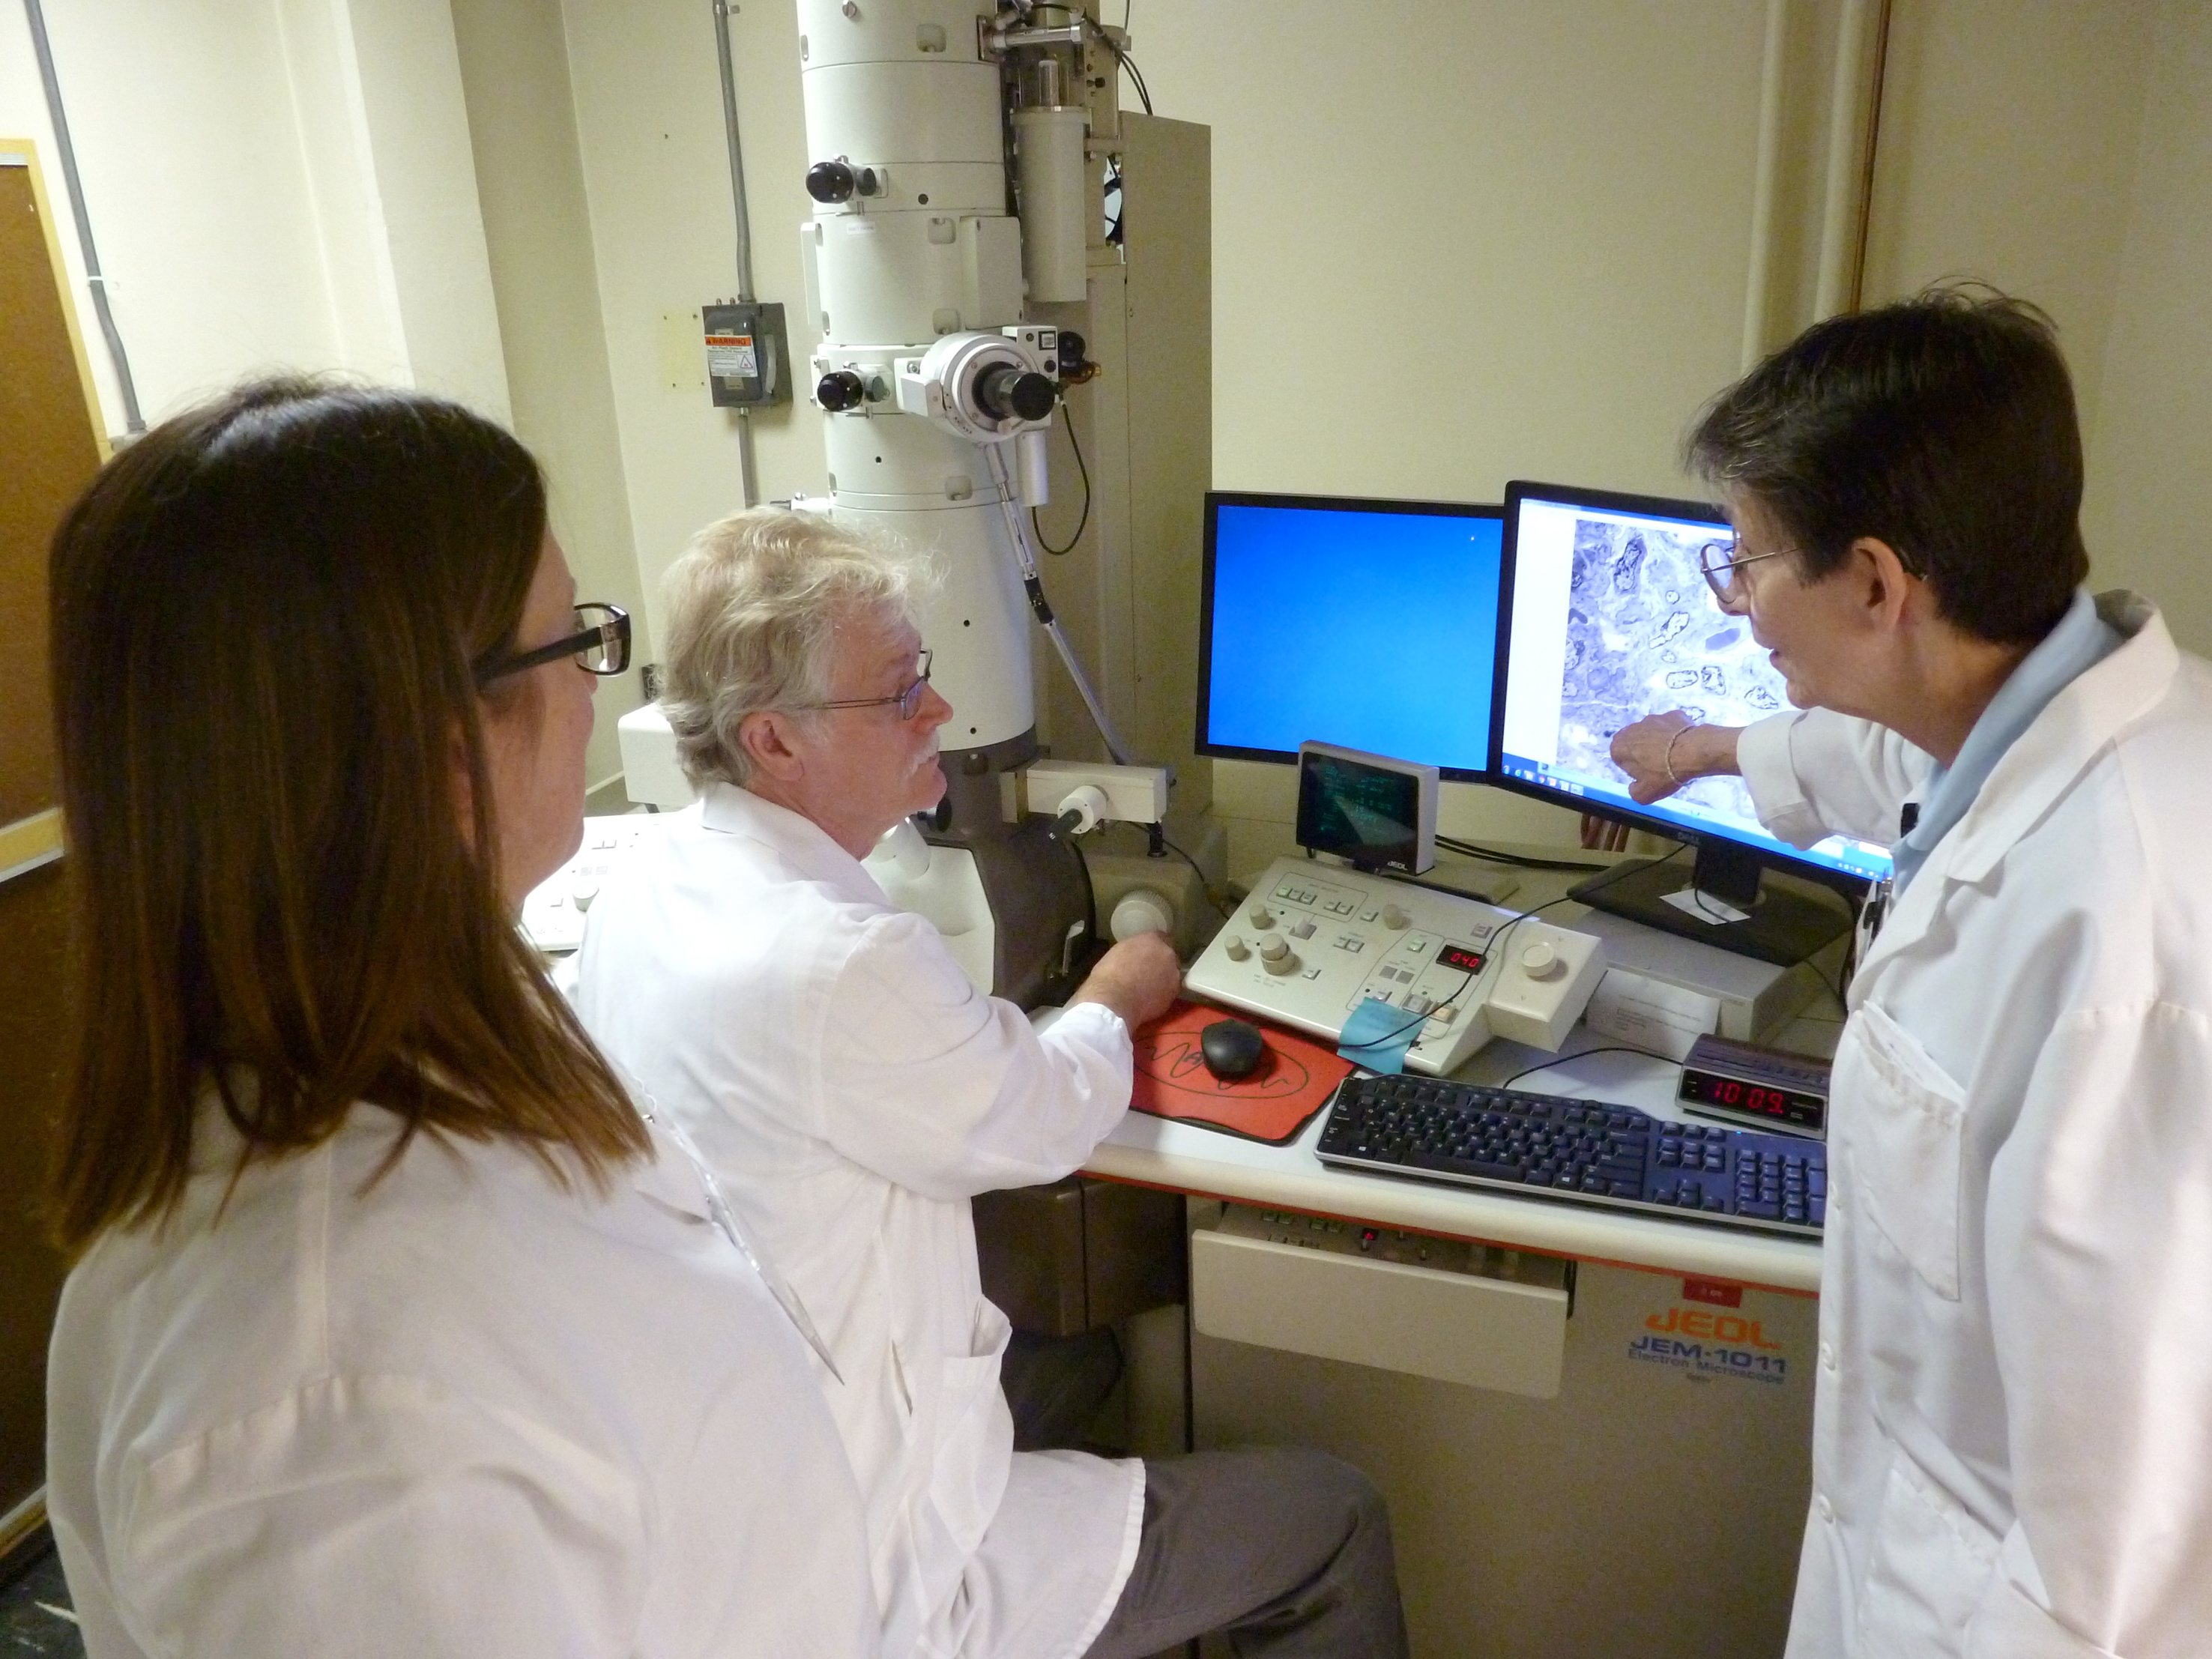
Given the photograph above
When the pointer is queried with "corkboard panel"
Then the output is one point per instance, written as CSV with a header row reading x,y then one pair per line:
x,y
49,450
48,454
33,922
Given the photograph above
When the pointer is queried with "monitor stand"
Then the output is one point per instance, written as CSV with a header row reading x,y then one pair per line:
x,y
1724,904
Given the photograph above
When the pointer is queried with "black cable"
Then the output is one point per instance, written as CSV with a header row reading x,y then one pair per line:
x,y
1497,945
1227,913
1144,94
1491,855
1067,414
1833,987
1090,891
1441,887
1609,1049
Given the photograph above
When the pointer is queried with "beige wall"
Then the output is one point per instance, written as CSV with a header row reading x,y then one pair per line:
x,y
1454,243
2009,139
530,176
1459,244
274,184
649,113
2150,452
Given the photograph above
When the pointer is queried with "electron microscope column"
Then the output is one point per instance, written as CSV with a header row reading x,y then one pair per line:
x,y
911,241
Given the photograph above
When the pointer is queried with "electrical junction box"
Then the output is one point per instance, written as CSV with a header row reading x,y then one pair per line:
x,y
748,355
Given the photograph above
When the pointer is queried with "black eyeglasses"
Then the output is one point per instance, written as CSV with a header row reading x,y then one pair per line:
x,y
908,700
600,645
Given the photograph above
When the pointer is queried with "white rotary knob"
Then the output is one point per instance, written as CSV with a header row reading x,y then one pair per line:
x,y
1393,918
1236,950
1141,911
1540,961
1261,916
1276,955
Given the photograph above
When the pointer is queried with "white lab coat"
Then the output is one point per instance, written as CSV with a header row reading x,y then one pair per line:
x,y
2013,1418
853,1092
458,1412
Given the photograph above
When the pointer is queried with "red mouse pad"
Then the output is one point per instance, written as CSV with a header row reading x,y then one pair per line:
x,y
1293,1081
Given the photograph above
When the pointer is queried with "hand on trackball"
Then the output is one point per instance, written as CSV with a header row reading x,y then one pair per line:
x,y
1137,979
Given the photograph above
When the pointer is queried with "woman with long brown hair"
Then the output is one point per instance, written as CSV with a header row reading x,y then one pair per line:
x,y
394,1326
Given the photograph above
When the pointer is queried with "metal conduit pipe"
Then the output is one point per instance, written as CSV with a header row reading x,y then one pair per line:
x,y
133,422
748,478
1765,181
1854,107
1867,148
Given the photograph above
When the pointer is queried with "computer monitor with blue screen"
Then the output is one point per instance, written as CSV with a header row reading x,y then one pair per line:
x,y
1367,624
1607,619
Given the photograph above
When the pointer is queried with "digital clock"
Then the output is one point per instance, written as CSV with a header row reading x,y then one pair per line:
x,y
1756,1088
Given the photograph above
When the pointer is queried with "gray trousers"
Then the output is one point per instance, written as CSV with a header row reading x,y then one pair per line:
x,y
1287,1551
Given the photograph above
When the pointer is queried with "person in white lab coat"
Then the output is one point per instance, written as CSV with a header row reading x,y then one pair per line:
x,y
394,1328
853,1092
2013,1418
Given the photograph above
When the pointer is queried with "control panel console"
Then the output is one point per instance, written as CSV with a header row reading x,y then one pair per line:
x,y
1313,941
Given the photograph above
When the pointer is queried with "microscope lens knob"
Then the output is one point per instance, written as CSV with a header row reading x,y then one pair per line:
x,y
1540,961
1032,396
1276,955
841,389
1393,918
585,891
1236,950
1261,916
830,181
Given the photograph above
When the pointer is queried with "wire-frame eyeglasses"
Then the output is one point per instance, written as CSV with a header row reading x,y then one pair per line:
x,y
1720,573
908,700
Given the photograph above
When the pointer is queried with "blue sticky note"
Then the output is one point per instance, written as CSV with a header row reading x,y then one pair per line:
x,y
1377,1036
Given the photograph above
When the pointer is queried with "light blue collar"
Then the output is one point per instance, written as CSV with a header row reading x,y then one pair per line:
x,y
2082,640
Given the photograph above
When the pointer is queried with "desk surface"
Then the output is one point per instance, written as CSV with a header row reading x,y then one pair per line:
x,y
1157,1152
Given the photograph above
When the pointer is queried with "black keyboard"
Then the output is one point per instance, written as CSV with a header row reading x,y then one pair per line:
x,y
1588,1151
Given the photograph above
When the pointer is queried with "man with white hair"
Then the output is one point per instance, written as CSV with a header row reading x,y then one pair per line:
x,y
851,1092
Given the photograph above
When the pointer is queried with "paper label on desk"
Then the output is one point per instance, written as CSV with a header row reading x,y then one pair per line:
x,y
1651,1014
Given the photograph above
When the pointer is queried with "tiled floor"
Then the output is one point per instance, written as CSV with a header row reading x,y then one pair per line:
x,y
34,1621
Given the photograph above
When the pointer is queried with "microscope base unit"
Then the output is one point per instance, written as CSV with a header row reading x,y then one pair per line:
x,y
1313,941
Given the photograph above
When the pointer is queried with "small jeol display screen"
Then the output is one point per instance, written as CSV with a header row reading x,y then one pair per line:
x,y
1717,1091
1459,957
1369,814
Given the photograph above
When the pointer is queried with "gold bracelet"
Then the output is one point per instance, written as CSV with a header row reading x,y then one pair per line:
x,y
1666,760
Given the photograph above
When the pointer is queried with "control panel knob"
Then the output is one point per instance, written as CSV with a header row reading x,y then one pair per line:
x,y
1540,961
1261,916
584,892
1236,950
1276,955
839,390
1006,393
830,181
1395,919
